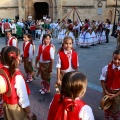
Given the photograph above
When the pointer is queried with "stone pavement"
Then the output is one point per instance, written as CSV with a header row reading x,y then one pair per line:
x,y
91,62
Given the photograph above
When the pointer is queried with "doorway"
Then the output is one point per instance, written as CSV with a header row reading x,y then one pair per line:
x,y
41,8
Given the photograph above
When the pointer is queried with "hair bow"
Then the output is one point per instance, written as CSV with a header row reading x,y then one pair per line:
x,y
12,54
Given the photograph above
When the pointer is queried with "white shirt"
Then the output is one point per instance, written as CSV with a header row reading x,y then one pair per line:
x,y
52,52
13,27
86,113
70,66
104,72
14,42
30,51
21,91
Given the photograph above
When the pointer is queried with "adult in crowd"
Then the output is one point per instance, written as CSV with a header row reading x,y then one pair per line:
x,y
6,26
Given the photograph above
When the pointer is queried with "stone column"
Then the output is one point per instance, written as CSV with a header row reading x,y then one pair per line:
x,y
57,9
21,9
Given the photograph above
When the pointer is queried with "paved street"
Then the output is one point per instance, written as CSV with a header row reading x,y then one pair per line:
x,y
91,61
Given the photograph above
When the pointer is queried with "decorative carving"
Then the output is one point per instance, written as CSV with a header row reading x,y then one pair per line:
x,y
99,4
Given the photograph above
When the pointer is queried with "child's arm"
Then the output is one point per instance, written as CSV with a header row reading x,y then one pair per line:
x,y
51,65
58,76
58,66
29,113
115,95
36,61
52,53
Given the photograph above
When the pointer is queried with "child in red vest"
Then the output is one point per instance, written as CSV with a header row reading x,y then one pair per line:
x,y
12,41
68,104
28,52
67,59
15,100
45,57
1,101
110,81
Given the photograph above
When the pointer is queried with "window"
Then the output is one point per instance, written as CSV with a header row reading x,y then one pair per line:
x,y
99,10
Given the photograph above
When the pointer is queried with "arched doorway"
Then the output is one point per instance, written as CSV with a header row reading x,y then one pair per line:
x,y
41,8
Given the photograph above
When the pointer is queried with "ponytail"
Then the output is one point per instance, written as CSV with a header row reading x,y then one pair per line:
x,y
10,56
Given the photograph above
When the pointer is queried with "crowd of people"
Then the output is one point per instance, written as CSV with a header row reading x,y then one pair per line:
x,y
14,102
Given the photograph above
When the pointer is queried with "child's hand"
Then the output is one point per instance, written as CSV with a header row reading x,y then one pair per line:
x,y
115,95
36,67
59,82
30,115
107,93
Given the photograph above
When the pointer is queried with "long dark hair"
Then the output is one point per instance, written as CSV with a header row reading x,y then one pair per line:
x,y
30,37
44,36
10,57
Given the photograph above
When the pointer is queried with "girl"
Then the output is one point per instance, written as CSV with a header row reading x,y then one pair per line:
x,y
28,52
1,65
16,105
12,41
61,34
67,59
68,104
45,57
111,86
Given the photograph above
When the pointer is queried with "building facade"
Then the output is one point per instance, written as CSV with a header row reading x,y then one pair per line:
x,y
90,9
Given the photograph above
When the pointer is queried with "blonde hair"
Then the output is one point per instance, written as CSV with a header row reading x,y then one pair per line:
x,y
67,38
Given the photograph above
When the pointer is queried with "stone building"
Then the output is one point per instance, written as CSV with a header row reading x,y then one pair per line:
x,y
91,9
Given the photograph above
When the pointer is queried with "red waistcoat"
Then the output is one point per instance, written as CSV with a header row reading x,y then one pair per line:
x,y
26,49
45,53
13,99
65,61
10,42
58,109
113,78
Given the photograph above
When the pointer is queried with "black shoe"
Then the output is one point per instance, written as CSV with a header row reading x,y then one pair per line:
x,y
106,42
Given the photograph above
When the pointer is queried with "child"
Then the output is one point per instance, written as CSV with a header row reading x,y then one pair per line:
x,y
12,41
16,105
111,86
28,52
68,104
1,65
67,59
45,57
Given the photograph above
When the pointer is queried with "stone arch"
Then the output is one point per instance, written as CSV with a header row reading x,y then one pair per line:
x,y
30,7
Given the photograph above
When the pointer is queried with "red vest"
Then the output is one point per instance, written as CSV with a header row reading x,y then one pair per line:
x,y
6,25
113,78
10,42
65,61
13,99
61,110
26,49
32,27
45,53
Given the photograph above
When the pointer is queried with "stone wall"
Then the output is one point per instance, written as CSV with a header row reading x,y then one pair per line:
x,y
8,9
58,8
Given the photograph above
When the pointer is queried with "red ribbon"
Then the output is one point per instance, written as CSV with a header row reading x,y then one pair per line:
x,y
66,106
12,54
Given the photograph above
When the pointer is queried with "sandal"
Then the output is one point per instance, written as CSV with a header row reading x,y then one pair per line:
x,y
41,89
44,91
